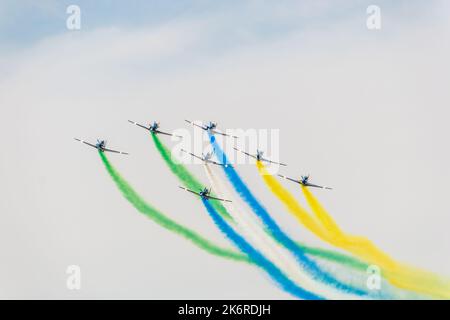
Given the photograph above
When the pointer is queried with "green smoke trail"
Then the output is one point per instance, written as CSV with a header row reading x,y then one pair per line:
x,y
164,221
335,257
185,176
191,182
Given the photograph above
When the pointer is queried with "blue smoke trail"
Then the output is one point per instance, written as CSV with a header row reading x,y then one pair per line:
x,y
275,273
273,227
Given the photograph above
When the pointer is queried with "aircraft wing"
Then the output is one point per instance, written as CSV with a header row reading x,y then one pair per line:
x,y
85,142
217,163
195,156
317,186
248,154
270,161
214,198
194,124
185,189
139,125
287,178
115,151
223,134
167,134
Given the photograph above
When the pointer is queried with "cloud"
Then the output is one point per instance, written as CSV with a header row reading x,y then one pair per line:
x,y
363,111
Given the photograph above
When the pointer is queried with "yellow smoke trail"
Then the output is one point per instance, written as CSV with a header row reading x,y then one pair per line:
x,y
253,231
290,203
400,275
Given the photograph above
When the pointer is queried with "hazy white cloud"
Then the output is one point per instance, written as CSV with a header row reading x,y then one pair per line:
x,y
362,111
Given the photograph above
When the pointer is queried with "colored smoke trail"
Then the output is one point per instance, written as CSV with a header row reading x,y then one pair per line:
x,y
189,181
262,240
250,228
130,194
183,174
401,275
290,203
336,257
273,227
257,257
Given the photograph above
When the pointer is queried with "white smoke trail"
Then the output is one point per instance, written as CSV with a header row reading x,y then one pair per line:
x,y
252,231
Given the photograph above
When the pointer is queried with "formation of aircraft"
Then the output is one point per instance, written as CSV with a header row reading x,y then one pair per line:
x,y
304,181
210,127
204,194
101,146
154,128
259,156
205,158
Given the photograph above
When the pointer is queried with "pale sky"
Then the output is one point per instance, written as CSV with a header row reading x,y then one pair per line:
x,y
364,111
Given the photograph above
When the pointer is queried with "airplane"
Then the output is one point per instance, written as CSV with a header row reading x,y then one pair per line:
x,y
154,128
259,156
304,181
101,146
205,194
210,127
206,158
